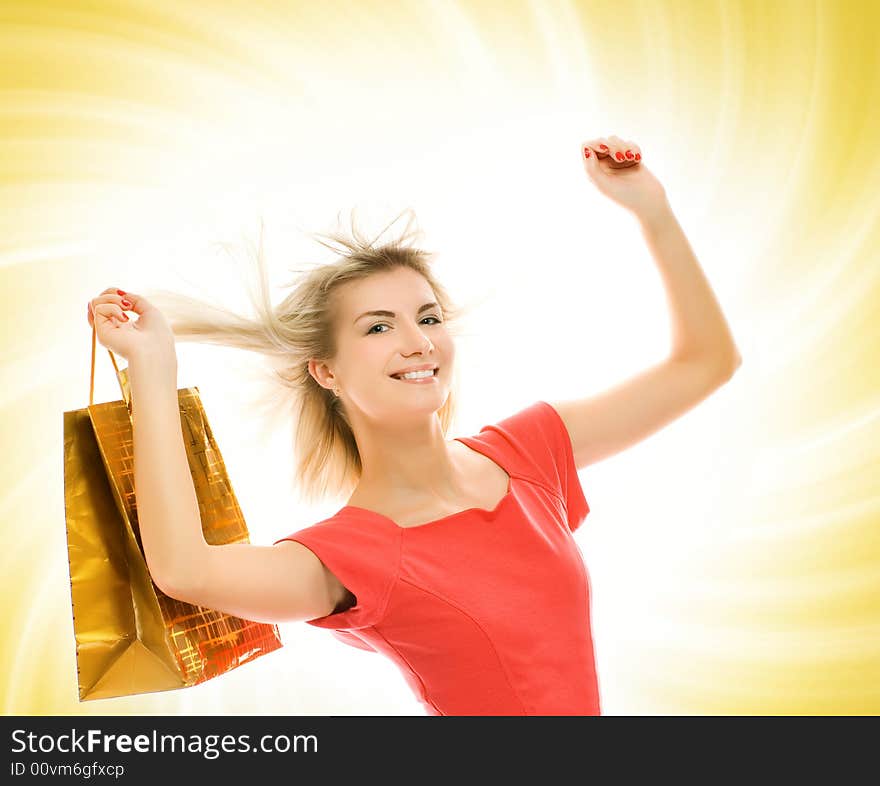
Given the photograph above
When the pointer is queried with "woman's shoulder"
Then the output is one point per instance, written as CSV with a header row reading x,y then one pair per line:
x,y
349,523
523,438
362,556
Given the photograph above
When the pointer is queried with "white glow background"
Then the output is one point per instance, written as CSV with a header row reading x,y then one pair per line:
x,y
734,556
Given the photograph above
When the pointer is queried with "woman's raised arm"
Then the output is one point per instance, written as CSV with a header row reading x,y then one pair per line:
x,y
280,583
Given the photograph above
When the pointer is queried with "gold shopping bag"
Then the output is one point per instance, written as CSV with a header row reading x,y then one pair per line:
x,y
130,637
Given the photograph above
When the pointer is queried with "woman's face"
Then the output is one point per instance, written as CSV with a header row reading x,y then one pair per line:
x,y
371,347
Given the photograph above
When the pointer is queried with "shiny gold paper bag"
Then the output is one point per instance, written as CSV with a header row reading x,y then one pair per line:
x,y
130,637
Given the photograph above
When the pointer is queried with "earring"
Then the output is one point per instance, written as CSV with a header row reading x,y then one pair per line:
x,y
336,391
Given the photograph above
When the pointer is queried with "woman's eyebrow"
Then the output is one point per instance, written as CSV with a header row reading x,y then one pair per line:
x,y
391,314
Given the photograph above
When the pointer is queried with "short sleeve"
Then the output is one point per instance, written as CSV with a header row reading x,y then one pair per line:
x,y
365,559
537,435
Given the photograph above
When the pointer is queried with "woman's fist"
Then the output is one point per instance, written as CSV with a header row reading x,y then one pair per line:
x,y
149,334
615,166
614,152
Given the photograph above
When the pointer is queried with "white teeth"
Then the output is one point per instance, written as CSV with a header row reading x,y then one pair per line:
x,y
417,374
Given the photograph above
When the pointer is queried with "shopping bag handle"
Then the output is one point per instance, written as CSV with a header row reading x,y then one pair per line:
x,y
121,375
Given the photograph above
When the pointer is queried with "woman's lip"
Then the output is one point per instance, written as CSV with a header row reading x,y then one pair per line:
x,y
422,380
435,369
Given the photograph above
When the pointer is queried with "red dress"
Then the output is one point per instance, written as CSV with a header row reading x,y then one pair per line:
x,y
485,612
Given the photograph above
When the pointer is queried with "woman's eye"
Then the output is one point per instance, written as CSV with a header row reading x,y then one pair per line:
x,y
382,324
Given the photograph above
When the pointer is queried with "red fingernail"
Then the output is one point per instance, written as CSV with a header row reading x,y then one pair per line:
x,y
119,292
126,303
629,154
604,147
638,156
586,152
125,317
619,156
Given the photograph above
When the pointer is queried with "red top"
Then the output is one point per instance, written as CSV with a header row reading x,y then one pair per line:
x,y
485,612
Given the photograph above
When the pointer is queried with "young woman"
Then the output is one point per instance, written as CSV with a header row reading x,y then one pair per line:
x,y
452,557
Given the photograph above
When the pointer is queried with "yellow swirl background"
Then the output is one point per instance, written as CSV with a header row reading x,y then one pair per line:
x,y
735,555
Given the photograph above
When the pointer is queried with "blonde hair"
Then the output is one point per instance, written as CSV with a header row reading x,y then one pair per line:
x,y
300,327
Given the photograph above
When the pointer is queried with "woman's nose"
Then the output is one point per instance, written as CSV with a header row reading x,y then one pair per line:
x,y
419,339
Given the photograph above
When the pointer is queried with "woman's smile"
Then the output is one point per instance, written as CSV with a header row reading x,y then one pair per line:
x,y
419,380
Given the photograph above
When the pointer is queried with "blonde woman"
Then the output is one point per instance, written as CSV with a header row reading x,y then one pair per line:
x,y
454,558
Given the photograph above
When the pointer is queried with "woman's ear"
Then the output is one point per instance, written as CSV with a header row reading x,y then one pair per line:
x,y
322,373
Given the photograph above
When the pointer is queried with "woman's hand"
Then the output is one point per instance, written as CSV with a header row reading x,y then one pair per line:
x,y
616,168
150,334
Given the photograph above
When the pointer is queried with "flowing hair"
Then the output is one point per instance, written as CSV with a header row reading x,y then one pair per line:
x,y
301,327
